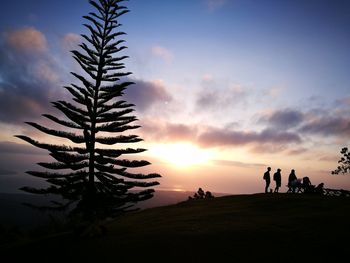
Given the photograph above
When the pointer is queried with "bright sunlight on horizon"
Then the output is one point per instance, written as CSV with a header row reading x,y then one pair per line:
x,y
181,154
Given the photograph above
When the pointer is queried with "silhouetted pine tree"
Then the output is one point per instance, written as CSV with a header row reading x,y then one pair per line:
x,y
93,176
344,162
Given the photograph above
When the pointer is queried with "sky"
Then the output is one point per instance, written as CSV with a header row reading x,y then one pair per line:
x,y
224,88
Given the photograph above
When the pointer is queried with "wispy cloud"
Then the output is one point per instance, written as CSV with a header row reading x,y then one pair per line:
x,y
271,148
328,126
27,39
346,100
169,132
45,72
163,53
238,164
70,41
323,122
217,95
215,99
211,137
285,118
330,158
215,137
30,76
145,94
297,151
274,92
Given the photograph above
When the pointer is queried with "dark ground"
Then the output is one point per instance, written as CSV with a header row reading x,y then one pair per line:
x,y
241,228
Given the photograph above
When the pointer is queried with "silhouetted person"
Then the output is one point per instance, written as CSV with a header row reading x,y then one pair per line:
x,y
308,187
292,180
267,179
319,188
278,179
208,194
200,193
306,181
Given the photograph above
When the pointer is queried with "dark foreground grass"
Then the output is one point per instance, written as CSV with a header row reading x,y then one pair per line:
x,y
242,228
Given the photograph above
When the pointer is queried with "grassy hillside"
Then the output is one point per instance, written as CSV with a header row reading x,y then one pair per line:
x,y
242,228
14,214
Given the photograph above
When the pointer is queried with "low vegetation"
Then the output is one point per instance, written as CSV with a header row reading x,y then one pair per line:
x,y
242,228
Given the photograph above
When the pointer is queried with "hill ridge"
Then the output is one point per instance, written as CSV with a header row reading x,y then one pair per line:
x,y
247,228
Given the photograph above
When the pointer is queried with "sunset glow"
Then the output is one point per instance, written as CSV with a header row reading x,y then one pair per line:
x,y
181,155
223,89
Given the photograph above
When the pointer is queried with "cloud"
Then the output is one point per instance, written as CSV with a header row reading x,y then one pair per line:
x,y
297,151
27,39
70,41
212,96
145,94
213,5
163,53
29,80
274,92
283,119
210,137
218,99
330,158
215,137
17,108
327,126
165,131
343,103
346,100
45,72
238,164
323,122
207,77
269,148
17,148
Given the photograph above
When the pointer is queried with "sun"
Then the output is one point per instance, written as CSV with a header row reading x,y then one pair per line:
x,y
181,154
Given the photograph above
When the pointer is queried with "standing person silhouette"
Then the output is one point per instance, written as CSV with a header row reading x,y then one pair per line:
x,y
292,179
278,179
267,179
200,193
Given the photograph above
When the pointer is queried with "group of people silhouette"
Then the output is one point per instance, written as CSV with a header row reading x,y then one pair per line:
x,y
294,184
200,194
276,177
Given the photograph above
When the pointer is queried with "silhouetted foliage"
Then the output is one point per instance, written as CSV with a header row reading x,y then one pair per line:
x,y
200,194
94,177
344,162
